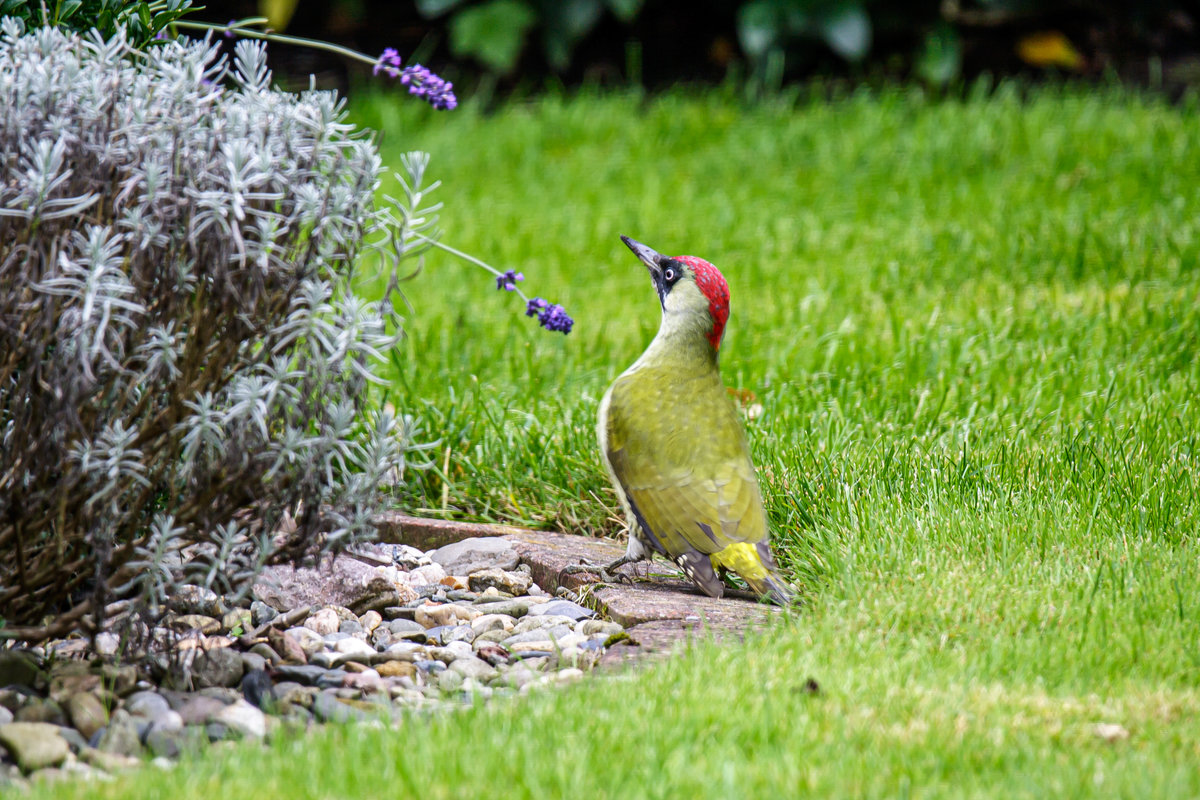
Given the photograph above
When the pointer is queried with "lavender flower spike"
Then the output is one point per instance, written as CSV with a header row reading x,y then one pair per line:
x,y
508,281
551,316
420,81
389,62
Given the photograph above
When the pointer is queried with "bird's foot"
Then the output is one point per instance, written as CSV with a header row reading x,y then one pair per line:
x,y
607,573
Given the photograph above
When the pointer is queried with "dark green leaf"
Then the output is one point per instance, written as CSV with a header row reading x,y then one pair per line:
x,y
758,24
68,9
564,23
493,32
625,10
433,8
940,58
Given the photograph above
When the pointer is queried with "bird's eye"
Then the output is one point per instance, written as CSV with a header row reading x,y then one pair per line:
x,y
669,274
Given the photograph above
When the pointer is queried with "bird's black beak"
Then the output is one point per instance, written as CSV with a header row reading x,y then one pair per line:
x,y
646,255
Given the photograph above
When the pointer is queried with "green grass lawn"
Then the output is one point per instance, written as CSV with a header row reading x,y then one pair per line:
x,y
973,329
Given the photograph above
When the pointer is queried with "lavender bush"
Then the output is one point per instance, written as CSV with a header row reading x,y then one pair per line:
x,y
182,363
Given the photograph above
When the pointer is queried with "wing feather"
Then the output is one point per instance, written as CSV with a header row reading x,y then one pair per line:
x,y
660,461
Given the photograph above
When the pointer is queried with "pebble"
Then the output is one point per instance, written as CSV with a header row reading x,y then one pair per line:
x,y
221,666
86,713
471,555
34,745
196,622
191,599
407,629
465,620
283,646
563,608
309,640
243,718
512,583
261,613
324,621
433,616
491,622
471,667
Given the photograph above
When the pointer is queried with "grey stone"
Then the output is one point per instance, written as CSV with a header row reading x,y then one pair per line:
x,y
34,745
340,581
444,634
511,608
267,653
244,718
451,651
149,705
325,659
199,709
430,666
252,662
237,621
514,583
450,681
589,627
220,666
120,679
407,629
406,651
166,743
408,557
550,634
87,713
381,637
190,599
472,555
354,647
323,622
258,689
351,626
196,622
41,709
327,708
107,643
331,679
261,613
216,732
310,641
121,735
472,667
335,637
307,674
494,636
224,694
6,716
75,740
538,623
562,608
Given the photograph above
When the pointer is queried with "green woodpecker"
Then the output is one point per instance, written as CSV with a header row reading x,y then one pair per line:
x,y
673,441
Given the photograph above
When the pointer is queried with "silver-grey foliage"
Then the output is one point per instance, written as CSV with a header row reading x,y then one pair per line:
x,y
182,360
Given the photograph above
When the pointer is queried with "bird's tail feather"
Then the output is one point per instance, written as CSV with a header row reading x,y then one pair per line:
x,y
756,566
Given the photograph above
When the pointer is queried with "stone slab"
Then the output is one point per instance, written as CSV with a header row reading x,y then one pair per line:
x,y
659,608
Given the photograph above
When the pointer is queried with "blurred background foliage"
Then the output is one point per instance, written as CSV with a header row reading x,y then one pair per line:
x,y
502,44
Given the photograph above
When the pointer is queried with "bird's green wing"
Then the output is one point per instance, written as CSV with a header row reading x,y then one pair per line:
x,y
684,466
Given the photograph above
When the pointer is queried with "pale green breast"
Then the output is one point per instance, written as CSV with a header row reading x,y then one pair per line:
x,y
676,445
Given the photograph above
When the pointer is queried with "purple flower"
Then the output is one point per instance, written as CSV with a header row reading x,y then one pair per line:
x,y
551,316
389,62
229,34
508,281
